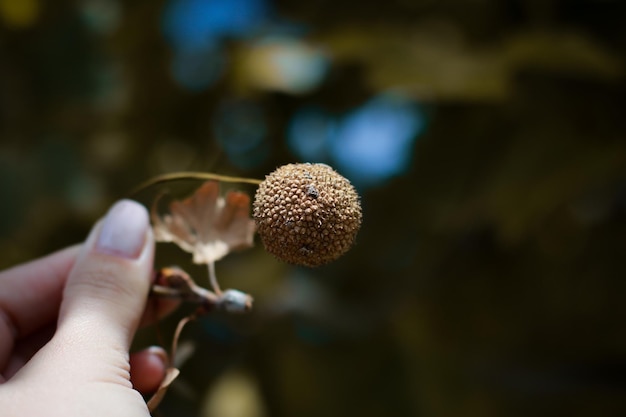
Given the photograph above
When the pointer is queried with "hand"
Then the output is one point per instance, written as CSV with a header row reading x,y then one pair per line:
x,y
67,321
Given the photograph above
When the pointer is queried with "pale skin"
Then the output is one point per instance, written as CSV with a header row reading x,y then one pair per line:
x,y
67,321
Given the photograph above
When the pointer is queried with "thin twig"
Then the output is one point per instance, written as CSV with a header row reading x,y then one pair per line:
x,y
179,329
213,278
167,292
191,175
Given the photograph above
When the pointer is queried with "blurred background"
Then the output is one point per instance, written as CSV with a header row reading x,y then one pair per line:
x,y
486,138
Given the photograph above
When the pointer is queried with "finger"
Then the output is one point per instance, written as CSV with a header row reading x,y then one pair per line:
x,y
25,348
147,369
105,295
30,295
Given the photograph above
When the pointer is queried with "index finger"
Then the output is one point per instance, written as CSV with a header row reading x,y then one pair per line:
x,y
30,293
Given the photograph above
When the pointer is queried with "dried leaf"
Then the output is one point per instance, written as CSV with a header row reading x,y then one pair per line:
x,y
171,373
206,224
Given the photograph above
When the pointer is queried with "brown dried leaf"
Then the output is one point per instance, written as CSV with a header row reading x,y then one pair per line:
x,y
206,224
172,372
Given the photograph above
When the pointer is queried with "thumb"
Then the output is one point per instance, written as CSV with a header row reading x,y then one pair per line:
x,y
107,289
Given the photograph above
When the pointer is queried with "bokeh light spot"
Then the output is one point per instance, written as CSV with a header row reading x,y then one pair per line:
x,y
285,64
103,16
196,24
310,133
369,145
196,29
19,13
197,69
374,142
240,129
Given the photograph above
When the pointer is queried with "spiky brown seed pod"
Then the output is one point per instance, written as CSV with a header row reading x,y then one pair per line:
x,y
307,214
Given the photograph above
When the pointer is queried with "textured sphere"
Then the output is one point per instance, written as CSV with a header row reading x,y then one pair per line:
x,y
307,214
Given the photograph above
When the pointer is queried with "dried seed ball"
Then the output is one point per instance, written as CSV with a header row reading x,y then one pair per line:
x,y
307,214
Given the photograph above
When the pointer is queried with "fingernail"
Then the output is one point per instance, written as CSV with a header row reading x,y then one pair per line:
x,y
160,353
124,230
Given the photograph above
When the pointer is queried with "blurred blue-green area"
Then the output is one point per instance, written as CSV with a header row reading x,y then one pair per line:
x,y
486,138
